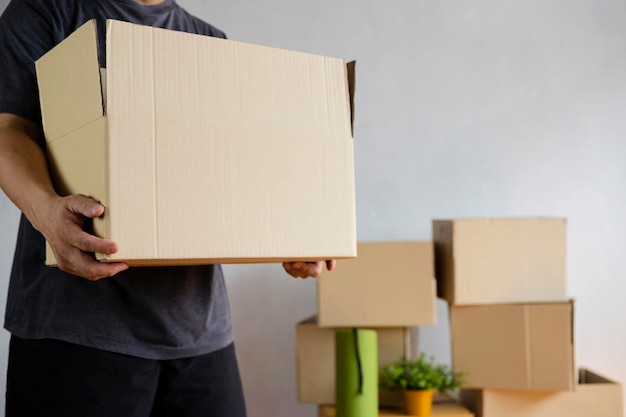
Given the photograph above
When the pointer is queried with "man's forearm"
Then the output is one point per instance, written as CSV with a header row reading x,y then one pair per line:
x,y
24,175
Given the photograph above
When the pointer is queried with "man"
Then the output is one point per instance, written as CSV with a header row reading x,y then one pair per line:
x,y
90,338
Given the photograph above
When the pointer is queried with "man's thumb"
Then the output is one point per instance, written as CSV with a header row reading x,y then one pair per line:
x,y
87,207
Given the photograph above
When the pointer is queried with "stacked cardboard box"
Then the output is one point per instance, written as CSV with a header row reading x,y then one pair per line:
x,y
510,320
390,287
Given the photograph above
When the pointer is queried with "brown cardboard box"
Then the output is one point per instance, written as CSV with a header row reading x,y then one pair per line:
x,y
514,346
594,396
495,261
390,284
196,147
442,410
315,350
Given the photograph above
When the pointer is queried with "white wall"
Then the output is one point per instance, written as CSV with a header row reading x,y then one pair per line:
x,y
481,108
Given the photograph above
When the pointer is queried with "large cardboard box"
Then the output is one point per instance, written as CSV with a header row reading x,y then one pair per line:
x,y
485,261
202,149
447,409
390,284
594,396
315,349
515,346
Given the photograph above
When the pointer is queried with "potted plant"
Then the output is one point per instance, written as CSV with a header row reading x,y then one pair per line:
x,y
418,380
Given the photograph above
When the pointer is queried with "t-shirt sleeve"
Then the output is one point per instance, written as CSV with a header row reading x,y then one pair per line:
x,y
25,35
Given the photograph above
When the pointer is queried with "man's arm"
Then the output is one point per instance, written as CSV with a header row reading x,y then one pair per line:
x,y
25,180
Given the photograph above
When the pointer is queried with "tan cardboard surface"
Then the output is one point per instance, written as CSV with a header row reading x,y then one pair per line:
x,y
514,346
594,396
492,261
204,141
315,348
72,73
441,410
390,284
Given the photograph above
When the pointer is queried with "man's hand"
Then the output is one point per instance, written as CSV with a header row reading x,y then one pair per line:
x,y
72,246
307,269
25,180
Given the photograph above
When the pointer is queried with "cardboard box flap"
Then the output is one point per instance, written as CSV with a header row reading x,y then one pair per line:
x,y
69,83
351,66
594,396
585,376
311,320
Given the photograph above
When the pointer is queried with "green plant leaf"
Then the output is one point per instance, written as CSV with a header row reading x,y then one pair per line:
x,y
420,374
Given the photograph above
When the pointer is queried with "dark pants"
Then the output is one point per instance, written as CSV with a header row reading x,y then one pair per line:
x,y
52,378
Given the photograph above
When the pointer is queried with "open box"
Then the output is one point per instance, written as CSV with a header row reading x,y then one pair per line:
x,y
202,150
594,396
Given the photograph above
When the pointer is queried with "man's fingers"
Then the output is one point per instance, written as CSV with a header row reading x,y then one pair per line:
x,y
85,206
304,269
95,270
75,236
294,269
90,243
74,247
90,268
84,265
330,265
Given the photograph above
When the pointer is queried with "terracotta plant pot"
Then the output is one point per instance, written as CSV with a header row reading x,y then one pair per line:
x,y
418,403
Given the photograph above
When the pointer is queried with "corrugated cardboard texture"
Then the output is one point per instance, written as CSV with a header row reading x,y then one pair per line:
x,y
74,126
77,163
390,284
216,151
316,361
523,346
594,396
69,83
440,410
485,261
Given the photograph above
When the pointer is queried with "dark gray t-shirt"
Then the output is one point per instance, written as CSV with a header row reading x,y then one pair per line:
x,y
157,313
